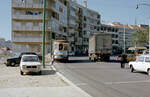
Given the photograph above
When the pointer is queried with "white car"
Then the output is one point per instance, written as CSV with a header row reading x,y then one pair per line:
x,y
142,64
30,63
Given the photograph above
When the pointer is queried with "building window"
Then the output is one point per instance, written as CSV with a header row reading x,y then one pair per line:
x,y
98,22
98,16
65,29
23,24
35,1
98,28
65,3
85,18
61,9
35,24
85,25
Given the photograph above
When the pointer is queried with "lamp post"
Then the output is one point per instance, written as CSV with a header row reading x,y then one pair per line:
x,y
124,38
145,4
43,34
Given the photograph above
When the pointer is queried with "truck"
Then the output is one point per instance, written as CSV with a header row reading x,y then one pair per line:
x,y
100,47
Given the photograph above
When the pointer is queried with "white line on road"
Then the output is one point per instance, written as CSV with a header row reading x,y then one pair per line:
x,y
81,84
128,82
71,83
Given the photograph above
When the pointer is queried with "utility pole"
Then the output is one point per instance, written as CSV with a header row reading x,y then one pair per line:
x,y
149,36
124,38
51,45
44,31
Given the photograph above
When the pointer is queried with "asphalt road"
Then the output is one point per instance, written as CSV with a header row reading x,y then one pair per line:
x,y
102,79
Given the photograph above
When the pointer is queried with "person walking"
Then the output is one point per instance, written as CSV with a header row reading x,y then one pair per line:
x,y
123,60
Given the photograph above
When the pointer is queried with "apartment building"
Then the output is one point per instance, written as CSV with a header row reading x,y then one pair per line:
x,y
27,18
82,22
114,31
72,18
65,19
126,34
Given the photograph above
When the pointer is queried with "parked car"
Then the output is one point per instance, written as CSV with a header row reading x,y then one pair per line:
x,y
142,64
30,63
16,60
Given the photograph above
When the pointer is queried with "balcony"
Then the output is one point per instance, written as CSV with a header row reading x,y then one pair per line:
x,y
27,17
79,41
27,39
86,36
27,28
71,39
71,32
24,5
85,43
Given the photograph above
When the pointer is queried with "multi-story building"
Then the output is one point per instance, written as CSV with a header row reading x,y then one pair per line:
x,y
65,19
82,22
122,35
71,25
114,31
27,18
126,34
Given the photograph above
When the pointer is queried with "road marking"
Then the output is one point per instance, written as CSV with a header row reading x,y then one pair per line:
x,y
81,84
128,82
72,84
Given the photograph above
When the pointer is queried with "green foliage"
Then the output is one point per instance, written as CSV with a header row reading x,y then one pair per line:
x,y
140,37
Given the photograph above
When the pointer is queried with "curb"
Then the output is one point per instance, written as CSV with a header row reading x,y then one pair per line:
x,y
71,83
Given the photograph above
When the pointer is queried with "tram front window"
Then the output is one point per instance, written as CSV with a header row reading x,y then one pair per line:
x,y
60,46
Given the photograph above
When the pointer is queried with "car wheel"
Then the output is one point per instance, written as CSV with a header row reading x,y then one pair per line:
x,y
95,59
132,69
148,72
13,64
21,72
89,58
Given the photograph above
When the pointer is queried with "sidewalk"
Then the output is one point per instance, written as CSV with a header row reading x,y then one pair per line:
x,y
49,84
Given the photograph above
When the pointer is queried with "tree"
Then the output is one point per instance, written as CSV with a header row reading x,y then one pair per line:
x,y
141,37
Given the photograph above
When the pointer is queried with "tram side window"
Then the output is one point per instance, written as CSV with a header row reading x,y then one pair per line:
x,y
56,47
65,47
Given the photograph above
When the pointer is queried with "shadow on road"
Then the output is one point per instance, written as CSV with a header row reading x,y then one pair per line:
x,y
79,61
140,72
48,72
44,72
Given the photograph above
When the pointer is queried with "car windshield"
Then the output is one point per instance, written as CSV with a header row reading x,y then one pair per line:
x,y
30,59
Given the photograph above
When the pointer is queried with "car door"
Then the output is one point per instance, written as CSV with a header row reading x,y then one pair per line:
x,y
139,64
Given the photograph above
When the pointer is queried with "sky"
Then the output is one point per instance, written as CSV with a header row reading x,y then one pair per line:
x,y
123,11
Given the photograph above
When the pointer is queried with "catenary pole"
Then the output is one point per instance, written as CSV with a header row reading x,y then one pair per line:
x,y
43,34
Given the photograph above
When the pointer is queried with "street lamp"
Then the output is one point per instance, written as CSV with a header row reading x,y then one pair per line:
x,y
44,31
137,6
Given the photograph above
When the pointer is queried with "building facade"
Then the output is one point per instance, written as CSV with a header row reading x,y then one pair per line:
x,y
82,22
27,18
126,37
65,19
114,31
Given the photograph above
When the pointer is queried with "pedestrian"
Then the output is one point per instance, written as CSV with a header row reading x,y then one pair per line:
x,y
123,60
